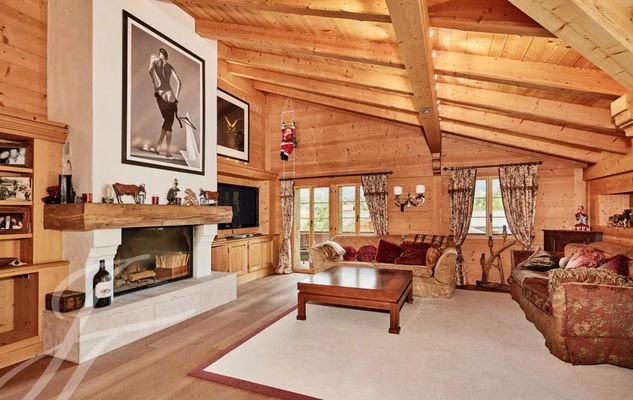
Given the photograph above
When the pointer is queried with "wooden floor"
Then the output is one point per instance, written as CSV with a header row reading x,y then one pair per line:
x,y
156,367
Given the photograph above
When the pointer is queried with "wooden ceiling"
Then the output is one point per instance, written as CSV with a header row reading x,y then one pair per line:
x,y
477,69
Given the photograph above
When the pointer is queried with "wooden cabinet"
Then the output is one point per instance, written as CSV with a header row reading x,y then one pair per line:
x,y
23,288
249,258
554,241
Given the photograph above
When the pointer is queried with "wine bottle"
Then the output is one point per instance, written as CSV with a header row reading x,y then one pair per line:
x,y
102,285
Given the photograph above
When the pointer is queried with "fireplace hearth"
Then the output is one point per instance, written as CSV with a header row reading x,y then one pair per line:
x,y
152,256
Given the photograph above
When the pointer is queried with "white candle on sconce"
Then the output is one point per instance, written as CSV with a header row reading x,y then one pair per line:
x,y
420,189
397,190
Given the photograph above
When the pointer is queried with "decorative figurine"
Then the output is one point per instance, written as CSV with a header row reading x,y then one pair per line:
x,y
53,195
208,198
190,198
109,195
137,192
172,193
288,140
621,220
581,220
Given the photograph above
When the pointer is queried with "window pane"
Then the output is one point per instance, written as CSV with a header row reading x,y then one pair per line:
x,y
364,220
304,195
348,225
366,226
479,217
347,211
321,195
498,213
348,193
304,225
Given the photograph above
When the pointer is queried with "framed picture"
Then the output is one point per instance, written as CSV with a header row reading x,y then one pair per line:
x,y
16,154
15,188
163,101
14,220
233,126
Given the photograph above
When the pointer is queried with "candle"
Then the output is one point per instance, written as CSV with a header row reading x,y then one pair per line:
x,y
419,189
397,190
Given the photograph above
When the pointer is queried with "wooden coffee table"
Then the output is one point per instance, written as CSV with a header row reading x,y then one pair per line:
x,y
363,287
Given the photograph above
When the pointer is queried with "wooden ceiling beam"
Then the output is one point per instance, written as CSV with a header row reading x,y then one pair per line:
x,y
361,95
511,140
382,53
320,70
599,30
530,74
537,130
579,116
492,16
347,105
410,21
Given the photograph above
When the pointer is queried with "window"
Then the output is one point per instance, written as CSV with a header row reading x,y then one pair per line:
x,y
353,212
488,216
312,216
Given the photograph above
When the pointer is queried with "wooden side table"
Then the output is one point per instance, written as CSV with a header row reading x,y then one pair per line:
x,y
555,240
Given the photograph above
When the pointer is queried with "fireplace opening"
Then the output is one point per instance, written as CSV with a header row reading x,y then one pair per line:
x,y
153,256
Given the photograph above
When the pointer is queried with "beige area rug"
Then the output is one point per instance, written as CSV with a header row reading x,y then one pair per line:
x,y
476,345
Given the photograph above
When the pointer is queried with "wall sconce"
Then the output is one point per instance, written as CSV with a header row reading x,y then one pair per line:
x,y
410,200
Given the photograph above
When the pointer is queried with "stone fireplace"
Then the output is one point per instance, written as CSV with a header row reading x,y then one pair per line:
x,y
148,257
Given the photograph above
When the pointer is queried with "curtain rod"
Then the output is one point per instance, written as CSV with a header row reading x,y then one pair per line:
x,y
336,176
496,165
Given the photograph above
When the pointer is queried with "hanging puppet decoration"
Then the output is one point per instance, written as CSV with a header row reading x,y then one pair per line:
x,y
288,140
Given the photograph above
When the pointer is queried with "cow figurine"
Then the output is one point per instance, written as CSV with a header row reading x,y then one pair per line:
x,y
137,192
208,197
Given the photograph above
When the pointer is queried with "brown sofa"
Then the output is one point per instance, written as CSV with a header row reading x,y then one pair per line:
x,y
583,323
427,282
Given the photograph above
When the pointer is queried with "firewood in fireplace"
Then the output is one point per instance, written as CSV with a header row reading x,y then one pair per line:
x,y
137,276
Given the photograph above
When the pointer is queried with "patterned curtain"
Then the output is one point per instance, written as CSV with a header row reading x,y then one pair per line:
x,y
287,213
519,184
375,190
461,191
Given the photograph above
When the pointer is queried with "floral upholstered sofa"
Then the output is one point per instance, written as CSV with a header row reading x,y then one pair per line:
x,y
585,313
428,280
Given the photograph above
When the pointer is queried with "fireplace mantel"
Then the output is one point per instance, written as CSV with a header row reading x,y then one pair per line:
x,y
92,216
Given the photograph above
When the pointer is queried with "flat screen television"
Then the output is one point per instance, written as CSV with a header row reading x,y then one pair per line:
x,y
245,203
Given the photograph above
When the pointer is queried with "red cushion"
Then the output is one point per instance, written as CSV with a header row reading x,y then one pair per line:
x,y
413,253
387,252
366,253
618,264
350,253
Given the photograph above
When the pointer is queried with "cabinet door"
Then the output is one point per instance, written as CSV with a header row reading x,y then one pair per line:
x,y
267,253
255,255
220,258
238,258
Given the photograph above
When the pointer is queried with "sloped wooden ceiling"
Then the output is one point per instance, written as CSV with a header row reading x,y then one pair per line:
x,y
477,69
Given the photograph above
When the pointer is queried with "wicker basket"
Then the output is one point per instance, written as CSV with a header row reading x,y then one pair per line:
x,y
172,260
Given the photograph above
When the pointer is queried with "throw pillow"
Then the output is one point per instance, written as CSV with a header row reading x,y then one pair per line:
x,y
413,253
387,252
618,264
350,253
366,253
586,275
540,261
432,256
587,257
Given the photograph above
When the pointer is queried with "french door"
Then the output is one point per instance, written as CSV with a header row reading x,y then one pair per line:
x,y
311,223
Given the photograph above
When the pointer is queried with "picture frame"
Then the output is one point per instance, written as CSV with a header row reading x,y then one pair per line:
x,y
16,188
16,154
15,220
233,123
163,119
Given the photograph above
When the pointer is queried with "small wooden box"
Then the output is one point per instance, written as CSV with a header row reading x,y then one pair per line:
x,y
65,301
169,273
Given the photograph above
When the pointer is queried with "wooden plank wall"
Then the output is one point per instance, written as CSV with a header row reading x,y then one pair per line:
x,y
23,26
607,196
332,141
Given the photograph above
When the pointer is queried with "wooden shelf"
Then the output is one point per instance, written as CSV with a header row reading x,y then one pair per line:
x,y
16,338
91,216
6,272
16,203
16,236
19,170
235,168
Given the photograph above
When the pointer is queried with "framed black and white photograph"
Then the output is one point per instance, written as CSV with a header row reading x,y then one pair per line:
x,y
15,188
233,126
16,154
14,220
163,101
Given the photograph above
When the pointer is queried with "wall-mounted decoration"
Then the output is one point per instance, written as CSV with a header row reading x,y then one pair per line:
x,y
14,220
15,188
16,154
288,140
163,101
233,126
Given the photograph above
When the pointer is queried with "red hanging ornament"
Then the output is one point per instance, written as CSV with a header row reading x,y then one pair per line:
x,y
288,140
